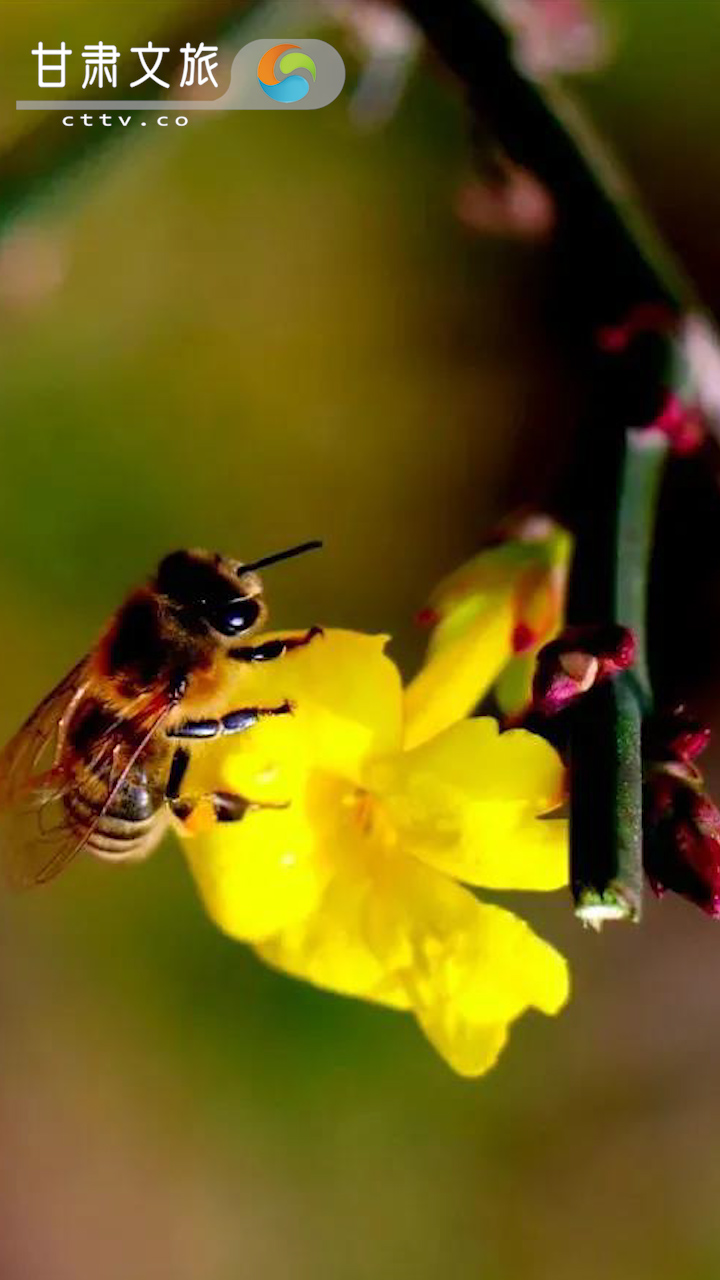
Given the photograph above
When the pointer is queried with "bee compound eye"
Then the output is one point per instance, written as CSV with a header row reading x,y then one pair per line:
x,y
236,616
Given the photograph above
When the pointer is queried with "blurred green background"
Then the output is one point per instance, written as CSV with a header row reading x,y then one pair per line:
x,y
254,330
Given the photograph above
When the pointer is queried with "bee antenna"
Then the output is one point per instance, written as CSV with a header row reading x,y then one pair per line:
x,y
281,555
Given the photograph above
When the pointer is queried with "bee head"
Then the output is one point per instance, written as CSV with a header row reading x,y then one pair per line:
x,y
209,592
212,592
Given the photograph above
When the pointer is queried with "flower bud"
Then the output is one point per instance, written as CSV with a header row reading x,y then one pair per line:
x,y
509,201
675,736
679,416
646,317
681,423
577,660
682,837
681,822
510,595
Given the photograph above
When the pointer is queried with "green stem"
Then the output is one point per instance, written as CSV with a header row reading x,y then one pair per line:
x,y
606,737
619,192
606,805
617,263
644,459
621,260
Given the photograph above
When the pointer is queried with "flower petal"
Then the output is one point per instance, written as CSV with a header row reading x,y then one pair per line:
x,y
345,691
513,687
258,875
332,947
458,673
467,803
477,968
496,610
267,871
401,934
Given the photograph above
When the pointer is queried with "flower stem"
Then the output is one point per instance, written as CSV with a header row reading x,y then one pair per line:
x,y
606,735
645,455
617,265
620,258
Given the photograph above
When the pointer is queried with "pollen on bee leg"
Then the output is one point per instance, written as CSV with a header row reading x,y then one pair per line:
x,y
202,818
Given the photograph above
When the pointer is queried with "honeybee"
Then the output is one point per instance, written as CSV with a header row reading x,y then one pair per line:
x,y
115,735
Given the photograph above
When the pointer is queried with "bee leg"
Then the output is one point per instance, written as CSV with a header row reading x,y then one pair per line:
x,y
234,722
178,769
227,806
272,649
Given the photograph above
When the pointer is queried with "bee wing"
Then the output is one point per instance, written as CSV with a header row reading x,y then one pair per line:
x,y
35,842
36,839
21,760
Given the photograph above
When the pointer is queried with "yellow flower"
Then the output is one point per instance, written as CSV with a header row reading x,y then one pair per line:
x,y
352,885
504,604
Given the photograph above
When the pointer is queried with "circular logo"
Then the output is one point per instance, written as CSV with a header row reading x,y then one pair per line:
x,y
291,88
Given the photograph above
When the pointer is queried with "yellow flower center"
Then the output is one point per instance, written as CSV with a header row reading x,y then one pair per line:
x,y
370,820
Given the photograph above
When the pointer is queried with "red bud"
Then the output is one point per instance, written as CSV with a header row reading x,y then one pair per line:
x,y
647,317
577,660
682,839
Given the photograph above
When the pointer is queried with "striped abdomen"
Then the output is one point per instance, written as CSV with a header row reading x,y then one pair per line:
x,y
127,827
111,821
